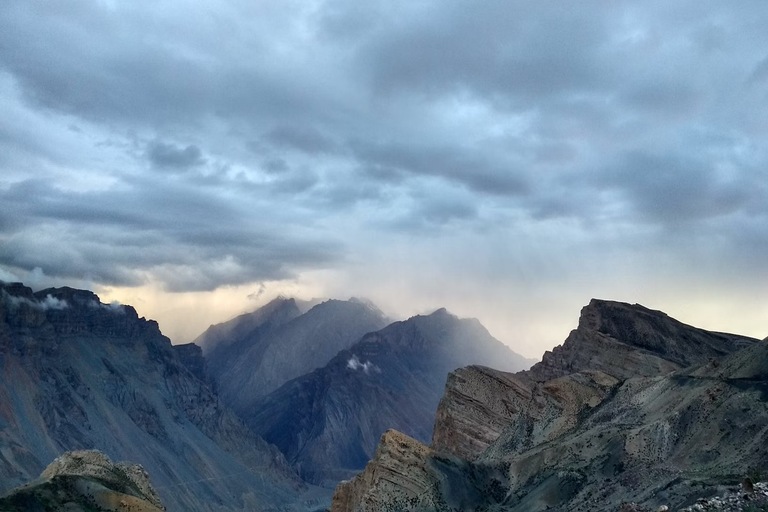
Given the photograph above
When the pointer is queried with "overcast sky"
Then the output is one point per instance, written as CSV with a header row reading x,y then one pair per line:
x,y
506,159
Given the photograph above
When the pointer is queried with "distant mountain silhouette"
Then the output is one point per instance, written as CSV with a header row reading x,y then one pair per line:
x,y
253,354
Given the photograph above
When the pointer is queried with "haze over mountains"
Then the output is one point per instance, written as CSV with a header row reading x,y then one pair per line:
x,y
348,383
79,374
253,354
634,406
327,422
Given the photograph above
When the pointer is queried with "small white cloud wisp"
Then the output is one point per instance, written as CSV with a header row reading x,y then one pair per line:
x,y
354,364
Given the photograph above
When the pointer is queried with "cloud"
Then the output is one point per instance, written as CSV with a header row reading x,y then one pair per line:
x,y
46,304
150,230
50,302
354,364
674,190
304,139
7,276
168,156
258,293
505,142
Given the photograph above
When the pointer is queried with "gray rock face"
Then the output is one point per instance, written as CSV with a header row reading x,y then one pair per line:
x,y
479,404
328,422
254,354
83,481
614,341
191,356
634,407
79,374
626,340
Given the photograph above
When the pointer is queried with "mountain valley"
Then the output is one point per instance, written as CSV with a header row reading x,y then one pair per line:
x,y
271,410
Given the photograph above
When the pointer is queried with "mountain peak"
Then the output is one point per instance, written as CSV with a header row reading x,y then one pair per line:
x,y
625,340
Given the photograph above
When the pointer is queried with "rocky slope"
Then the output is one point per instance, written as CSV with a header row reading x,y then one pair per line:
x,y
79,374
327,423
613,341
83,481
633,407
254,354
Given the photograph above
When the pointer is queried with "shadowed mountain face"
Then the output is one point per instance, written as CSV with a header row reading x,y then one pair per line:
x,y
328,422
633,407
79,374
253,354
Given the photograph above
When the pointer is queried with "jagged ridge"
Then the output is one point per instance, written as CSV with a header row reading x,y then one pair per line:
x,y
599,421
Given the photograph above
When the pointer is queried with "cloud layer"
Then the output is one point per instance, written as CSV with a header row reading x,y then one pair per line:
x,y
497,147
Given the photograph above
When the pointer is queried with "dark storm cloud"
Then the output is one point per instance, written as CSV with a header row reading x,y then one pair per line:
x,y
304,139
289,130
169,156
513,50
189,239
470,168
760,72
674,190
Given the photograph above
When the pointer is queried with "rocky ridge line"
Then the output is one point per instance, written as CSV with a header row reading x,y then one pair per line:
x,y
582,429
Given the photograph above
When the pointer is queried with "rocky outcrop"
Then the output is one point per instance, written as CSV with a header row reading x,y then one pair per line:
x,y
85,481
626,340
613,341
479,404
327,423
191,356
406,475
79,374
399,473
254,354
634,407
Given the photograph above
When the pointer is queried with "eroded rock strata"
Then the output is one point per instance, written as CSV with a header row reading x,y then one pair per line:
x,y
633,407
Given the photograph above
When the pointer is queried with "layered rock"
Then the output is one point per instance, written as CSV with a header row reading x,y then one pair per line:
x,y
79,374
328,422
661,441
613,341
400,474
479,404
609,417
84,481
407,475
626,340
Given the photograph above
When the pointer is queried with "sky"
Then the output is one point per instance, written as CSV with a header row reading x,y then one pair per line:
x,y
508,160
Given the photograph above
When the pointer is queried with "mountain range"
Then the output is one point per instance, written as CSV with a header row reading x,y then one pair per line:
x,y
254,354
79,374
634,409
327,422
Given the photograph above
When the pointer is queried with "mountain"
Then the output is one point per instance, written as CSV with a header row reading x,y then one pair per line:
x,y
327,422
79,374
256,353
86,480
634,407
